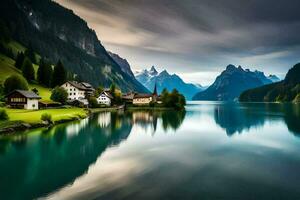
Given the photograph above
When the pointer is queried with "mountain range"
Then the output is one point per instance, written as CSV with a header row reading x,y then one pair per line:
x,y
232,82
48,28
165,80
284,91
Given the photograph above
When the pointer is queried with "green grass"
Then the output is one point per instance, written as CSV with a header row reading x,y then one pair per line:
x,y
45,93
7,69
34,116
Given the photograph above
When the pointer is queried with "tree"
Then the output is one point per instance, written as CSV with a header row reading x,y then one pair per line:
x,y
15,82
59,75
48,71
112,89
28,70
44,73
30,54
3,115
35,91
59,94
41,72
98,91
19,60
173,99
93,102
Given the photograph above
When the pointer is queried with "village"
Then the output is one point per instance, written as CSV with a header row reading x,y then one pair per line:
x,y
79,94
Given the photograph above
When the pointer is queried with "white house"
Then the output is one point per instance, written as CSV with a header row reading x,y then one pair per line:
x,y
23,99
77,91
105,98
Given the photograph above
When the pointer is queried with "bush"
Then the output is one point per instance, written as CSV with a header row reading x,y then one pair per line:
x,y
59,94
46,117
15,82
3,115
93,102
173,99
35,91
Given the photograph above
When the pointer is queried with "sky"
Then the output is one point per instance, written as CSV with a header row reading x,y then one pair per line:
x,y
197,39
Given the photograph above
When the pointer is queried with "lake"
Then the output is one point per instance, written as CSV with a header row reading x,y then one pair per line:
x,y
213,150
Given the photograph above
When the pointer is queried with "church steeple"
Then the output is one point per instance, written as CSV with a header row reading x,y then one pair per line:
x,y
155,90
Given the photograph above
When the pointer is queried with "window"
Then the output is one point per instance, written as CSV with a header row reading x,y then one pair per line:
x,y
33,105
70,89
70,94
74,93
16,100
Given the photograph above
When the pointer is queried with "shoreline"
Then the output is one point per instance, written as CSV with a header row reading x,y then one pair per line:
x,y
12,127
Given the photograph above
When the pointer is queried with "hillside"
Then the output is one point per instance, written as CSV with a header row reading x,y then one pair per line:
x,y
49,29
7,68
231,83
165,80
284,91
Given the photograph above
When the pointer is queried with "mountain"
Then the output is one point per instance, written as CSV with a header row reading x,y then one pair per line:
x,y
231,83
123,63
56,33
284,91
273,78
165,80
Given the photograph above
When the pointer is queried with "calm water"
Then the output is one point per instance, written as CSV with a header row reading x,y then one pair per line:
x,y
211,151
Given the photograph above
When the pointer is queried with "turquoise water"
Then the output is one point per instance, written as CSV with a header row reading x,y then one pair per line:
x,y
210,151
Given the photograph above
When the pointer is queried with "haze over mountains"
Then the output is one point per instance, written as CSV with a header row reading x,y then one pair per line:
x,y
165,80
232,82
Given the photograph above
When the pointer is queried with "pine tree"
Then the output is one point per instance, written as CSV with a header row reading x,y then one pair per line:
x,y
28,70
48,71
30,54
41,72
19,60
59,75
44,73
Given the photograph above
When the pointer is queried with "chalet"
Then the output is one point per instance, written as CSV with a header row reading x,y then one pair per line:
x,y
128,97
105,98
78,91
144,99
23,99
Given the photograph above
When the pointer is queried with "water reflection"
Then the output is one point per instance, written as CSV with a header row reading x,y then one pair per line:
x,y
65,152
46,161
237,118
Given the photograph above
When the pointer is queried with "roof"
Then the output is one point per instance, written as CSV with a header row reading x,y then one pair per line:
x,y
81,86
107,94
128,96
77,85
26,93
142,95
86,84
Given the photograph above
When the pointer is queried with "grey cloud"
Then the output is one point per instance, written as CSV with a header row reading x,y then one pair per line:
x,y
204,34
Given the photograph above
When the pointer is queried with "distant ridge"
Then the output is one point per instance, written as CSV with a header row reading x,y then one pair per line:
x,y
287,90
165,80
232,82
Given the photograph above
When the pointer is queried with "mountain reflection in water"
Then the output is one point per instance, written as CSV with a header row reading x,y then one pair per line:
x,y
66,151
246,148
236,119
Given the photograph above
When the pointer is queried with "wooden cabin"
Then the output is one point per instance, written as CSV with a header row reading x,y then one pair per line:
x,y
23,99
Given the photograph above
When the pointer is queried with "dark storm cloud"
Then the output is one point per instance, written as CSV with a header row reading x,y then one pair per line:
x,y
203,33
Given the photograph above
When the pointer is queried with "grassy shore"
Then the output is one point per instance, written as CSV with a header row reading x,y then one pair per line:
x,y
33,117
